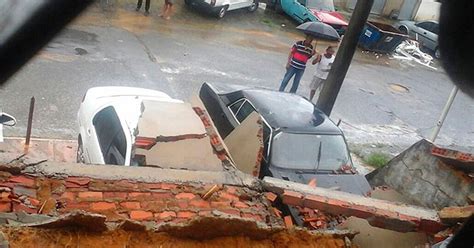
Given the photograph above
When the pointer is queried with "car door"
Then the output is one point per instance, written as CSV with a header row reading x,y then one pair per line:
x,y
421,31
432,36
111,145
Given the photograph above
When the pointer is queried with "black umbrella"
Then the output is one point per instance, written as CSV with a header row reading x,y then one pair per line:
x,y
319,30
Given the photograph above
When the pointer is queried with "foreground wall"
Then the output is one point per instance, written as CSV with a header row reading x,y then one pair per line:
x,y
424,178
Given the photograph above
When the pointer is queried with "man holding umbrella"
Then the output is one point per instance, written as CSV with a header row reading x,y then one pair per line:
x,y
300,53
303,50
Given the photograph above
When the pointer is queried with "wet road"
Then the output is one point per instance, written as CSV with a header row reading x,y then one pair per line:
x,y
115,45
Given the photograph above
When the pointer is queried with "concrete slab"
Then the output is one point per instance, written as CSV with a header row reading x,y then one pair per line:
x,y
39,149
168,119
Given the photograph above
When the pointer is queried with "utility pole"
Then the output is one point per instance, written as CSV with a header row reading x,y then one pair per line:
x,y
441,119
338,72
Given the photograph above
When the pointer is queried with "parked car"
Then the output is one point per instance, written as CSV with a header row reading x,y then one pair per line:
x,y
136,127
425,32
220,7
311,10
300,142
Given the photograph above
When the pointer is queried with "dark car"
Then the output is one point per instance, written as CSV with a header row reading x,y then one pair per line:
x,y
300,142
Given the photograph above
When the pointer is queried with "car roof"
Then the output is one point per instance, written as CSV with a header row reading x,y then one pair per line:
x,y
290,112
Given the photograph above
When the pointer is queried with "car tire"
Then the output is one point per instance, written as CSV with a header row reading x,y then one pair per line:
x,y
221,12
80,152
403,30
253,7
437,53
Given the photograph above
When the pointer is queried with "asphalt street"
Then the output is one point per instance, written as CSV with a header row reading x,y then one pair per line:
x,y
383,101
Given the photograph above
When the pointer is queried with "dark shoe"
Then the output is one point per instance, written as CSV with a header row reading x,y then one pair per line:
x,y
147,13
137,9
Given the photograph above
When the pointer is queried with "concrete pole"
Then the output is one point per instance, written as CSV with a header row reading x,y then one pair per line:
x,y
441,119
336,76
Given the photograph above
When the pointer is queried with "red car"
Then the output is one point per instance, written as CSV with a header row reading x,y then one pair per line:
x,y
325,12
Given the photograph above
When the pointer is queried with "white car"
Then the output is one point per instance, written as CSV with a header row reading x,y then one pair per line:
x,y
133,126
220,7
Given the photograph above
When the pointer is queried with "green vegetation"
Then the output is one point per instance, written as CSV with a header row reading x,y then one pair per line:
x,y
377,159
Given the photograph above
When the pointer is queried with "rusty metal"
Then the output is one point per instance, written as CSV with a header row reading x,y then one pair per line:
x,y
30,122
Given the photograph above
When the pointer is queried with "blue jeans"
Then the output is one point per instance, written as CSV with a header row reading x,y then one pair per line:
x,y
296,81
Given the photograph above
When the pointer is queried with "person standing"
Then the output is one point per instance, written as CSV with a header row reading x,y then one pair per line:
x,y
147,6
324,63
300,53
167,8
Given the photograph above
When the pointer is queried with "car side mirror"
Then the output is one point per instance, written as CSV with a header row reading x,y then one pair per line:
x,y
7,119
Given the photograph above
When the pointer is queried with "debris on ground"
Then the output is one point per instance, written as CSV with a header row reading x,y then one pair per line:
x,y
409,50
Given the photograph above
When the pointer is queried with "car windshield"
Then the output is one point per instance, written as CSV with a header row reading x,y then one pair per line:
x,y
300,151
325,5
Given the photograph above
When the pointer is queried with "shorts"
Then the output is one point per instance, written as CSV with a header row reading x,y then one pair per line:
x,y
316,83
169,2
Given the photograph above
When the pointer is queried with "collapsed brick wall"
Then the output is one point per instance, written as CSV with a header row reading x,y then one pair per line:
x,y
424,178
123,199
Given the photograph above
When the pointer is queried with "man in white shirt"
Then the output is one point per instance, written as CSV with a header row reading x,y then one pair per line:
x,y
324,63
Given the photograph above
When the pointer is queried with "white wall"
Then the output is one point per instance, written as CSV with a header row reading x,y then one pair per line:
x,y
428,10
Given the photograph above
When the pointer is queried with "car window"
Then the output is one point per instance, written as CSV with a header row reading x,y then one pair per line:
x,y
435,28
236,106
245,110
112,140
424,25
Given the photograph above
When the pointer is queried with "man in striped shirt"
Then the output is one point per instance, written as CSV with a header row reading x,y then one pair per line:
x,y
299,55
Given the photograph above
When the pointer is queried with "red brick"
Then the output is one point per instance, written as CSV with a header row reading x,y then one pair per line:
x,y
252,216
22,180
90,196
231,190
227,196
219,204
68,196
240,204
17,207
271,196
5,207
168,186
153,185
186,214
292,198
77,205
82,181
70,185
231,211
5,196
34,202
130,205
161,195
141,215
199,204
181,204
115,195
188,196
166,215
154,206
288,221
139,196
101,206
205,213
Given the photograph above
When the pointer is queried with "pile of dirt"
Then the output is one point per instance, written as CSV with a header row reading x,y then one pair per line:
x,y
41,237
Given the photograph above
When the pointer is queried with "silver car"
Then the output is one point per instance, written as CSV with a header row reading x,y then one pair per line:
x,y
426,32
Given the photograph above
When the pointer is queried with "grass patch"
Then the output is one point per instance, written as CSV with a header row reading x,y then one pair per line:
x,y
377,159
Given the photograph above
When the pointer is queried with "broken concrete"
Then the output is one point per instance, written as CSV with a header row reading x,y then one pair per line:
x,y
379,213
424,178
78,219
140,174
